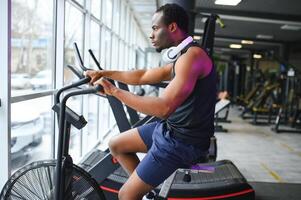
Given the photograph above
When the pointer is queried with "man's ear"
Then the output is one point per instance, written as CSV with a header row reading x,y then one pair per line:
x,y
172,27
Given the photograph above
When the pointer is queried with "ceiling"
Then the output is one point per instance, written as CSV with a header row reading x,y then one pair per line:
x,y
143,11
245,21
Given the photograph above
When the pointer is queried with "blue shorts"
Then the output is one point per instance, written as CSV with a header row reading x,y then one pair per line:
x,y
165,153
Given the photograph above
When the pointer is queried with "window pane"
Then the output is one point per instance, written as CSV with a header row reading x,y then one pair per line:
x,y
31,131
116,16
126,57
94,43
104,110
81,2
74,24
128,25
115,53
32,54
90,133
103,46
122,20
107,12
121,64
107,50
75,104
95,8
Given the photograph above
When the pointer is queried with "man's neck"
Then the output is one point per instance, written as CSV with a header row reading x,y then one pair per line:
x,y
180,39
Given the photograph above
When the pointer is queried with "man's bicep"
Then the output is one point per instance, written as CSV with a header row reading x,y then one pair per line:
x,y
183,84
178,90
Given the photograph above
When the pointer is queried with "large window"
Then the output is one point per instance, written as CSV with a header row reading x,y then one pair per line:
x,y
32,49
31,131
31,73
74,32
38,69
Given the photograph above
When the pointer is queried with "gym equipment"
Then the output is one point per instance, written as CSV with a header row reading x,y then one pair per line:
x,y
244,101
223,104
289,112
57,179
262,104
220,180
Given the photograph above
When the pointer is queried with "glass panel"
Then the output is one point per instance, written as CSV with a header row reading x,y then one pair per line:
x,y
103,117
75,104
116,16
121,64
103,45
94,43
32,52
122,20
95,8
112,120
81,2
31,131
74,28
107,12
126,56
107,50
133,60
90,134
140,59
115,56
128,25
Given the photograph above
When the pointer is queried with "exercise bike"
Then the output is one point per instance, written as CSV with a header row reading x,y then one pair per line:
x,y
57,179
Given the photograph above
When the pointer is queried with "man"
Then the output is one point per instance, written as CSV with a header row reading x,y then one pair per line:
x,y
186,108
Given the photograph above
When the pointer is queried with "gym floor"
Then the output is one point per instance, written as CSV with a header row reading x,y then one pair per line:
x,y
270,162
259,153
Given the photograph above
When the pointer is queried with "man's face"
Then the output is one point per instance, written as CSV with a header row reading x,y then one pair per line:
x,y
160,35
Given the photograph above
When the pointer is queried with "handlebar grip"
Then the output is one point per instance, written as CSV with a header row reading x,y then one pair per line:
x,y
84,80
98,88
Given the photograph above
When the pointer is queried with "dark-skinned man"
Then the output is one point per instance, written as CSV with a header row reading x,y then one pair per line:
x,y
186,108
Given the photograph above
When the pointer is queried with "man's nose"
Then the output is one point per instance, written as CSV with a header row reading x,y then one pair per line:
x,y
151,36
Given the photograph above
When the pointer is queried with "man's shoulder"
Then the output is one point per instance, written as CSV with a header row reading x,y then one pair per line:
x,y
197,51
199,56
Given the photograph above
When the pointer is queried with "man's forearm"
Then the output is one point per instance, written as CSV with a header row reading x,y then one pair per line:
x,y
154,106
128,77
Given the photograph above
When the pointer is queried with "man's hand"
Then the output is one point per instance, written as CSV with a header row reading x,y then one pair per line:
x,y
94,75
108,87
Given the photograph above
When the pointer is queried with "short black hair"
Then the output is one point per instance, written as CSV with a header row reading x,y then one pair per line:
x,y
175,13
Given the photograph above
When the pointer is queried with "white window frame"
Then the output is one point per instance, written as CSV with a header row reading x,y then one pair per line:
x,y
5,35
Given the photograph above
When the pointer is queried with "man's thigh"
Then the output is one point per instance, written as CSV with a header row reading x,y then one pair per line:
x,y
129,142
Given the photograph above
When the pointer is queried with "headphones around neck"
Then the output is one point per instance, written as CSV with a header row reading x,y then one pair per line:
x,y
172,53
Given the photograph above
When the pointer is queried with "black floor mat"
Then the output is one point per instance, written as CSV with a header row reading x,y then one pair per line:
x,y
276,191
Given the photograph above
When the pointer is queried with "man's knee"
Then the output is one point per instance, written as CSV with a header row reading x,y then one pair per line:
x,y
126,194
122,194
114,145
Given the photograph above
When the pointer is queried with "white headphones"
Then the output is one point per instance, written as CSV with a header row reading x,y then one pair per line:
x,y
172,53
